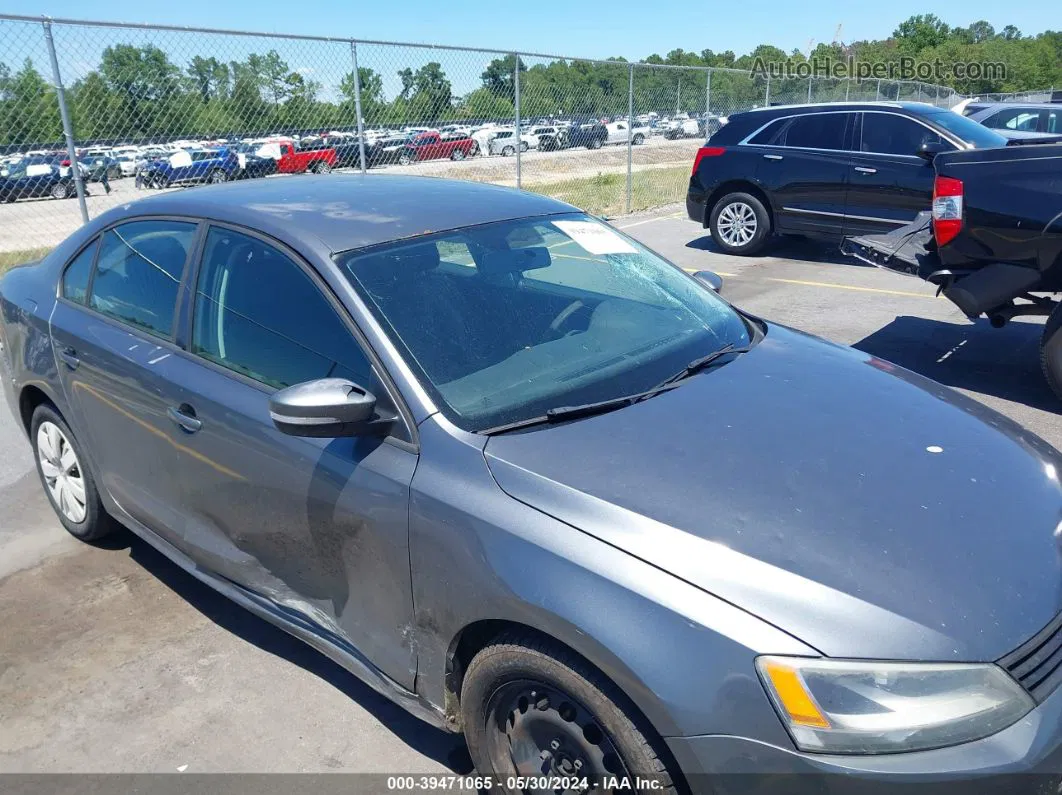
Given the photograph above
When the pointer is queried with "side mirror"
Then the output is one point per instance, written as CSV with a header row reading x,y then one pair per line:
x,y
327,407
710,279
931,149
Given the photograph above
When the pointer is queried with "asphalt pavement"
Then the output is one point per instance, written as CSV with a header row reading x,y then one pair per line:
x,y
114,660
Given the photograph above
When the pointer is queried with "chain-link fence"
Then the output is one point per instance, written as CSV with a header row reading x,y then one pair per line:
x,y
1041,95
95,114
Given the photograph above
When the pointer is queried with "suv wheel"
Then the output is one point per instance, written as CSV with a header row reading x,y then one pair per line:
x,y
1051,351
508,151
68,484
457,154
531,708
60,190
218,176
638,140
594,144
739,224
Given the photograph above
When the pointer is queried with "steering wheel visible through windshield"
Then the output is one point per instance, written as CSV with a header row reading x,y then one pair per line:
x,y
506,321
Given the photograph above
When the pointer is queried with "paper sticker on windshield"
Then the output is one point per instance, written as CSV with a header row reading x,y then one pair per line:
x,y
595,238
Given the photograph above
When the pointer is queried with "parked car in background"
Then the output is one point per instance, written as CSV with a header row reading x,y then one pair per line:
x,y
825,170
1041,118
682,126
592,135
27,180
292,160
505,142
252,165
386,149
98,165
127,164
617,133
464,454
434,146
549,138
196,165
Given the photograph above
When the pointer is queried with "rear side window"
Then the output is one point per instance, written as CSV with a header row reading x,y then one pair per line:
x,y
139,272
259,314
816,131
1054,121
76,275
1014,119
768,133
890,134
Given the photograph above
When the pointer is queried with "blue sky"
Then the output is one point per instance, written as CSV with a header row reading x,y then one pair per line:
x,y
568,27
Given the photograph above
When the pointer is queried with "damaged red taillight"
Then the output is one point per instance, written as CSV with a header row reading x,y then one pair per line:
x,y
947,209
706,151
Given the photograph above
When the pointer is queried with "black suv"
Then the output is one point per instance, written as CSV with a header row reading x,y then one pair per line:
x,y
823,170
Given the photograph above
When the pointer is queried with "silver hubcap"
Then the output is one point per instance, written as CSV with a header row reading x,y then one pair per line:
x,y
737,224
62,471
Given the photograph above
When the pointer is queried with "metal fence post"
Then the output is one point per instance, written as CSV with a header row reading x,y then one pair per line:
x,y
68,130
877,93
708,95
630,125
847,87
357,106
516,108
767,94
809,90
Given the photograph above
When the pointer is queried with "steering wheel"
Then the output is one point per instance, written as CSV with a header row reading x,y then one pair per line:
x,y
555,332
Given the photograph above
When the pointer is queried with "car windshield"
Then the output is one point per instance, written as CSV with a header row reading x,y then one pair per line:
x,y
505,321
968,130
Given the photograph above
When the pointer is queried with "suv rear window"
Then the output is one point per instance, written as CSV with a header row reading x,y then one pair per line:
x,y
815,131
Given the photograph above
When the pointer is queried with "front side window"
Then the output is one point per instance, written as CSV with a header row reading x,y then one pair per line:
x,y
259,314
139,271
816,131
506,320
891,134
76,275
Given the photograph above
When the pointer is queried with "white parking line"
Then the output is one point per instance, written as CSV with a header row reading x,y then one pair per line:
x,y
650,220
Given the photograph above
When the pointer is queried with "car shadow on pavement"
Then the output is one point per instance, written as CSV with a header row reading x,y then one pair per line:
x,y
974,356
446,749
801,249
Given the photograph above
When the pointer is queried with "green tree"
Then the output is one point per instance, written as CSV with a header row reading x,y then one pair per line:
x,y
145,83
30,110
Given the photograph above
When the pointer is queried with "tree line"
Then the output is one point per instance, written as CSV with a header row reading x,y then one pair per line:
x,y
137,93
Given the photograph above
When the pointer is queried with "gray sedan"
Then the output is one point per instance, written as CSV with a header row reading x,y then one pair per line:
x,y
538,485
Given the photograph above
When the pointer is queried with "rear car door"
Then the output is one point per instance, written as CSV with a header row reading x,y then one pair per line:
x,y
113,333
804,167
890,183
316,526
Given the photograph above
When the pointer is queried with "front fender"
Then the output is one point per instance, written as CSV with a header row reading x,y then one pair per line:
x,y
684,657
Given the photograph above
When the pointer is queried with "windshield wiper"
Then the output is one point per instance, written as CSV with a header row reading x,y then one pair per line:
x,y
565,413
701,363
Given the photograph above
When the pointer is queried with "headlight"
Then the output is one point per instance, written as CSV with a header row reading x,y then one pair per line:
x,y
865,707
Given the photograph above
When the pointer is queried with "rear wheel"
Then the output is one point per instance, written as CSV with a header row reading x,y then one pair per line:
x,y
531,708
404,159
322,167
523,146
594,144
508,151
638,140
457,154
1051,351
218,176
67,483
60,190
739,224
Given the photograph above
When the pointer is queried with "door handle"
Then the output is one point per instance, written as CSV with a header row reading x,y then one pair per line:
x,y
865,170
69,357
184,416
772,157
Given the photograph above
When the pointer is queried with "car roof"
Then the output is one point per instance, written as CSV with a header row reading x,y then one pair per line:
x,y
1027,105
823,107
348,211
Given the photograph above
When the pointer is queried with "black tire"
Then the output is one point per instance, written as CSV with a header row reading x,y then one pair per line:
x,y
594,144
638,140
60,190
321,167
524,146
97,522
457,154
1051,351
604,724
404,159
727,237
217,176
508,151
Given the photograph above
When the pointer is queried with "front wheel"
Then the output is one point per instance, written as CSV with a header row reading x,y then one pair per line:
x,y
60,190
457,154
217,176
508,151
404,160
638,140
739,224
1051,351
67,483
594,144
523,146
531,708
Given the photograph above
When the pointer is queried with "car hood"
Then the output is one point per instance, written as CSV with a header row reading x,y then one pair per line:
x,y
865,509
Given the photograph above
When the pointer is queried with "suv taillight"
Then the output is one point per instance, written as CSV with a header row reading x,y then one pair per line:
x,y
947,209
706,151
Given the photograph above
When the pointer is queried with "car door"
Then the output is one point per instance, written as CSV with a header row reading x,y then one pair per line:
x,y
112,334
890,183
316,526
804,167
617,132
